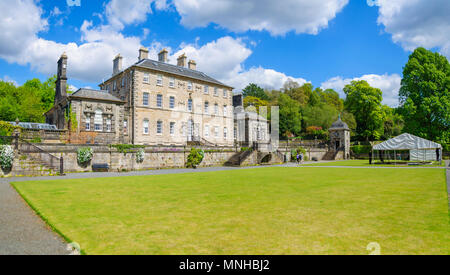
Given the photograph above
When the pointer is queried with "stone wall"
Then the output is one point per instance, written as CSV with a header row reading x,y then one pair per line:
x,y
155,157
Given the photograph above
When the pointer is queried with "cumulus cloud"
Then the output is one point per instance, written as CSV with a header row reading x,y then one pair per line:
x,y
415,23
388,84
277,17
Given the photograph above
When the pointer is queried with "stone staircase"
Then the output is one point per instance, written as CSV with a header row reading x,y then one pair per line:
x,y
238,158
24,165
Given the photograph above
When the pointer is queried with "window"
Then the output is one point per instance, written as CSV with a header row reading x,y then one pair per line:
x,y
159,127
225,110
172,128
146,78
159,101
206,130
145,127
114,85
216,109
225,132
216,91
123,82
172,102
206,107
159,80
190,105
108,125
88,123
125,126
235,133
225,94
206,91
189,85
98,120
216,132
145,99
172,82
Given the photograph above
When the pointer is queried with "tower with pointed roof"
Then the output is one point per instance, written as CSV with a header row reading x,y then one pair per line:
x,y
340,139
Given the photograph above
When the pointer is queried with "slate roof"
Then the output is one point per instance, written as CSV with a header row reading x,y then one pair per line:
x,y
339,124
182,71
94,94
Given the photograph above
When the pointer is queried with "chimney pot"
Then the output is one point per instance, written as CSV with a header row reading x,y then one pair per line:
x,y
117,64
162,56
143,53
192,65
181,60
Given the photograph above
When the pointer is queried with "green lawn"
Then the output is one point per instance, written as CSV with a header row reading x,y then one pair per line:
x,y
365,162
252,211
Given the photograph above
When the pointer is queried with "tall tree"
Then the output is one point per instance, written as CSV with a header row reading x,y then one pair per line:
x,y
364,102
424,95
255,91
290,116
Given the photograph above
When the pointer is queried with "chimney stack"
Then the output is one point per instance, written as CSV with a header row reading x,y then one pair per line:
x,y
143,53
192,65
162,56
181,60
117,64
61,79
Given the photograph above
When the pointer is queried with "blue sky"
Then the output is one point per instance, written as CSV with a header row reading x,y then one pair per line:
x,y
325,42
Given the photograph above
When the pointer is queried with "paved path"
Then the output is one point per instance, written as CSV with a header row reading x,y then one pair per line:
x,y
22,231
447,164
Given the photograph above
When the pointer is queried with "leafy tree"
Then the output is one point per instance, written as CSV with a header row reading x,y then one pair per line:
x,y
331,97
364,102
254,101
255,91
290,116
301,94
424,95
321,115
393,122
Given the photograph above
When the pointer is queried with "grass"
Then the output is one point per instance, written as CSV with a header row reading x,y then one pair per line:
x,y
365,162
252,211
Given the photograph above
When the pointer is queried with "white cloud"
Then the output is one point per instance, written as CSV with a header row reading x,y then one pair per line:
x,y
20,21
120,13
415,23
277,17
388,84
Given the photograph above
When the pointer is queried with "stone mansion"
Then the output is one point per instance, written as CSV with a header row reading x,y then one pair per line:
x,y
153,103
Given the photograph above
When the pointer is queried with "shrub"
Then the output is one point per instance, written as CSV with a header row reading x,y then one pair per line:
x,y
84,155
299,150
195,157
7,129
243,149
361,149
140,155
6,156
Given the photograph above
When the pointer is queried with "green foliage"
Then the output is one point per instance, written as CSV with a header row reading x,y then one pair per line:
x,y
254,101
424,95
126,148
290,116
71,117
254,90
7,129
195,157
320,115
301,94
364,102
393,122
27,102
6,157
243,149
360,149
84,155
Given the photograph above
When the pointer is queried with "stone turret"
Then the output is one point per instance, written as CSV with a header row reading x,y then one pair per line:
x,y
61,80
340,138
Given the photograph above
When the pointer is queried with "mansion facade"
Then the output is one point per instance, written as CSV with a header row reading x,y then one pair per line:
x,y
150,103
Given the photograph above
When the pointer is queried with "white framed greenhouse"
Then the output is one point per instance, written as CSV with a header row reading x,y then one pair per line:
x,y
420,149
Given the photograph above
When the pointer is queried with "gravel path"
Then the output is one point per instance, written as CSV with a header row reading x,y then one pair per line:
x,y
22,231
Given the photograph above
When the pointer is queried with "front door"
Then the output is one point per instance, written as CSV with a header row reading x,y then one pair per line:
x,y
337,145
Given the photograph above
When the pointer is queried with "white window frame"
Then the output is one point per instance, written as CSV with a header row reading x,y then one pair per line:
x,y
216,131
125,126
108,125
114,85
189,85
225,132
216,91
206,133
206,89
216,109
159,80
189,105
172,82
145,126
88,123
122,81
146,78
159,101
159,127
171,102
225,111
98,113
206,107
145,97
225,93
172,128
